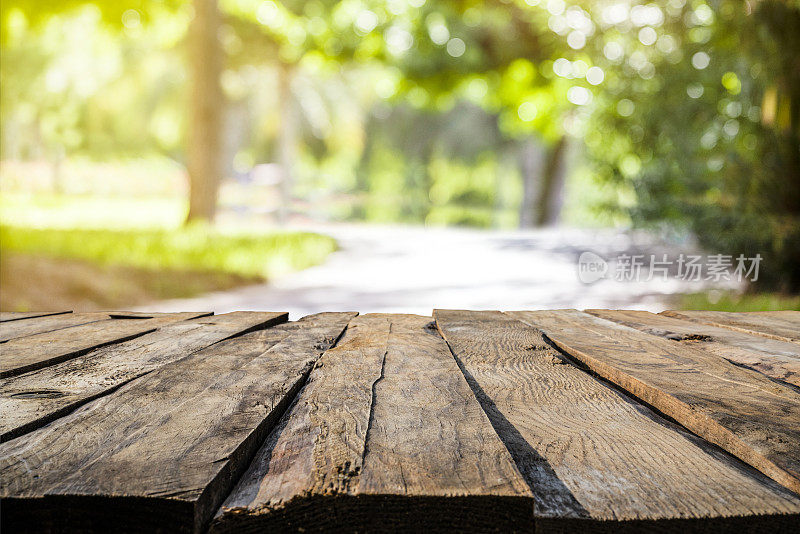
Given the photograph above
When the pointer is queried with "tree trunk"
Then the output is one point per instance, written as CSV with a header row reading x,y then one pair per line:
x,y
203,153
287,140
552,174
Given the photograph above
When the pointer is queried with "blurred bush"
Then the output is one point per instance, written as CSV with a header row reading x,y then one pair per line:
x,y
195,248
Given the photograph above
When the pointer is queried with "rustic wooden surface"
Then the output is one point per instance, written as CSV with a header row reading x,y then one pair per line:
x,y
784,326
546,421
745,413
776,359
15,316
587,450
33,399
386,412
168,444
30,351
15,328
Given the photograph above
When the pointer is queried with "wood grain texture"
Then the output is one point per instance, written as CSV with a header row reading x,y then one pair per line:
x,y
783,325
16,316
779,360
36,398
38,325
385,435
591,454
745,413
161,452
25,354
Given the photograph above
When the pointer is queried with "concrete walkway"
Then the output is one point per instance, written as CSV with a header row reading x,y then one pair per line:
x,y
414,269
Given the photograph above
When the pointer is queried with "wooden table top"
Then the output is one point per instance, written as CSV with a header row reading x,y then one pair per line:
x,y
559,420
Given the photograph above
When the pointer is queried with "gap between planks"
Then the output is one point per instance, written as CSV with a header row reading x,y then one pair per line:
x,y
740,410
33,399
357,486
779,360
593,454
386,432
783,326
42,349
172,442
16,316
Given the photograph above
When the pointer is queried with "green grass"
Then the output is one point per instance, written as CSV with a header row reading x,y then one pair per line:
x,y
191,249
145,232
714,300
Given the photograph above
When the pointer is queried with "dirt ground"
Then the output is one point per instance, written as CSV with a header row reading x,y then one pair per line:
x,y
30,282
407,269
376,269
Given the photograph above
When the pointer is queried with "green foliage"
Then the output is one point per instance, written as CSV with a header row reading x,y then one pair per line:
x,y
736,302
145,232
463,194
689,110
701,119
74,84
114,12
191,249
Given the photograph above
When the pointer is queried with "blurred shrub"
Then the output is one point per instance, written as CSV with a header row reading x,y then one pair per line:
x,y
194,248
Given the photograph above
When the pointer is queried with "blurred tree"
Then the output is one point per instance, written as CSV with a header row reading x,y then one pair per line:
x,y
204,147
440,49
287,138
488,53
689,109
699,116
96,79
494,52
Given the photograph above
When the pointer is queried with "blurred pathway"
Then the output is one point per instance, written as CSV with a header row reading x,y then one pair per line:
x,y
413,269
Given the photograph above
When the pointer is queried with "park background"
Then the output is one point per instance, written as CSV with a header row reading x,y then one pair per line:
x,y
405,153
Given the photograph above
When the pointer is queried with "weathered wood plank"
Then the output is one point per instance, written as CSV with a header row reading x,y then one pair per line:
x,y
32,352
38,325
385,435
53,322
745,413
36,398
161,452
592,455
776,359
783,326
16,316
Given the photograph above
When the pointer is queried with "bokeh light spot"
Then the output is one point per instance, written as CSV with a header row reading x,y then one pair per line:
x,y
625,107
647,36
366,21
556,7
576,39
456,47
580,96
131,19
731,82
700,60
595,75
695,90
613,50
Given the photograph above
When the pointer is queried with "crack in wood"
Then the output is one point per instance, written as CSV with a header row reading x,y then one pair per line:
x,y
373,400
